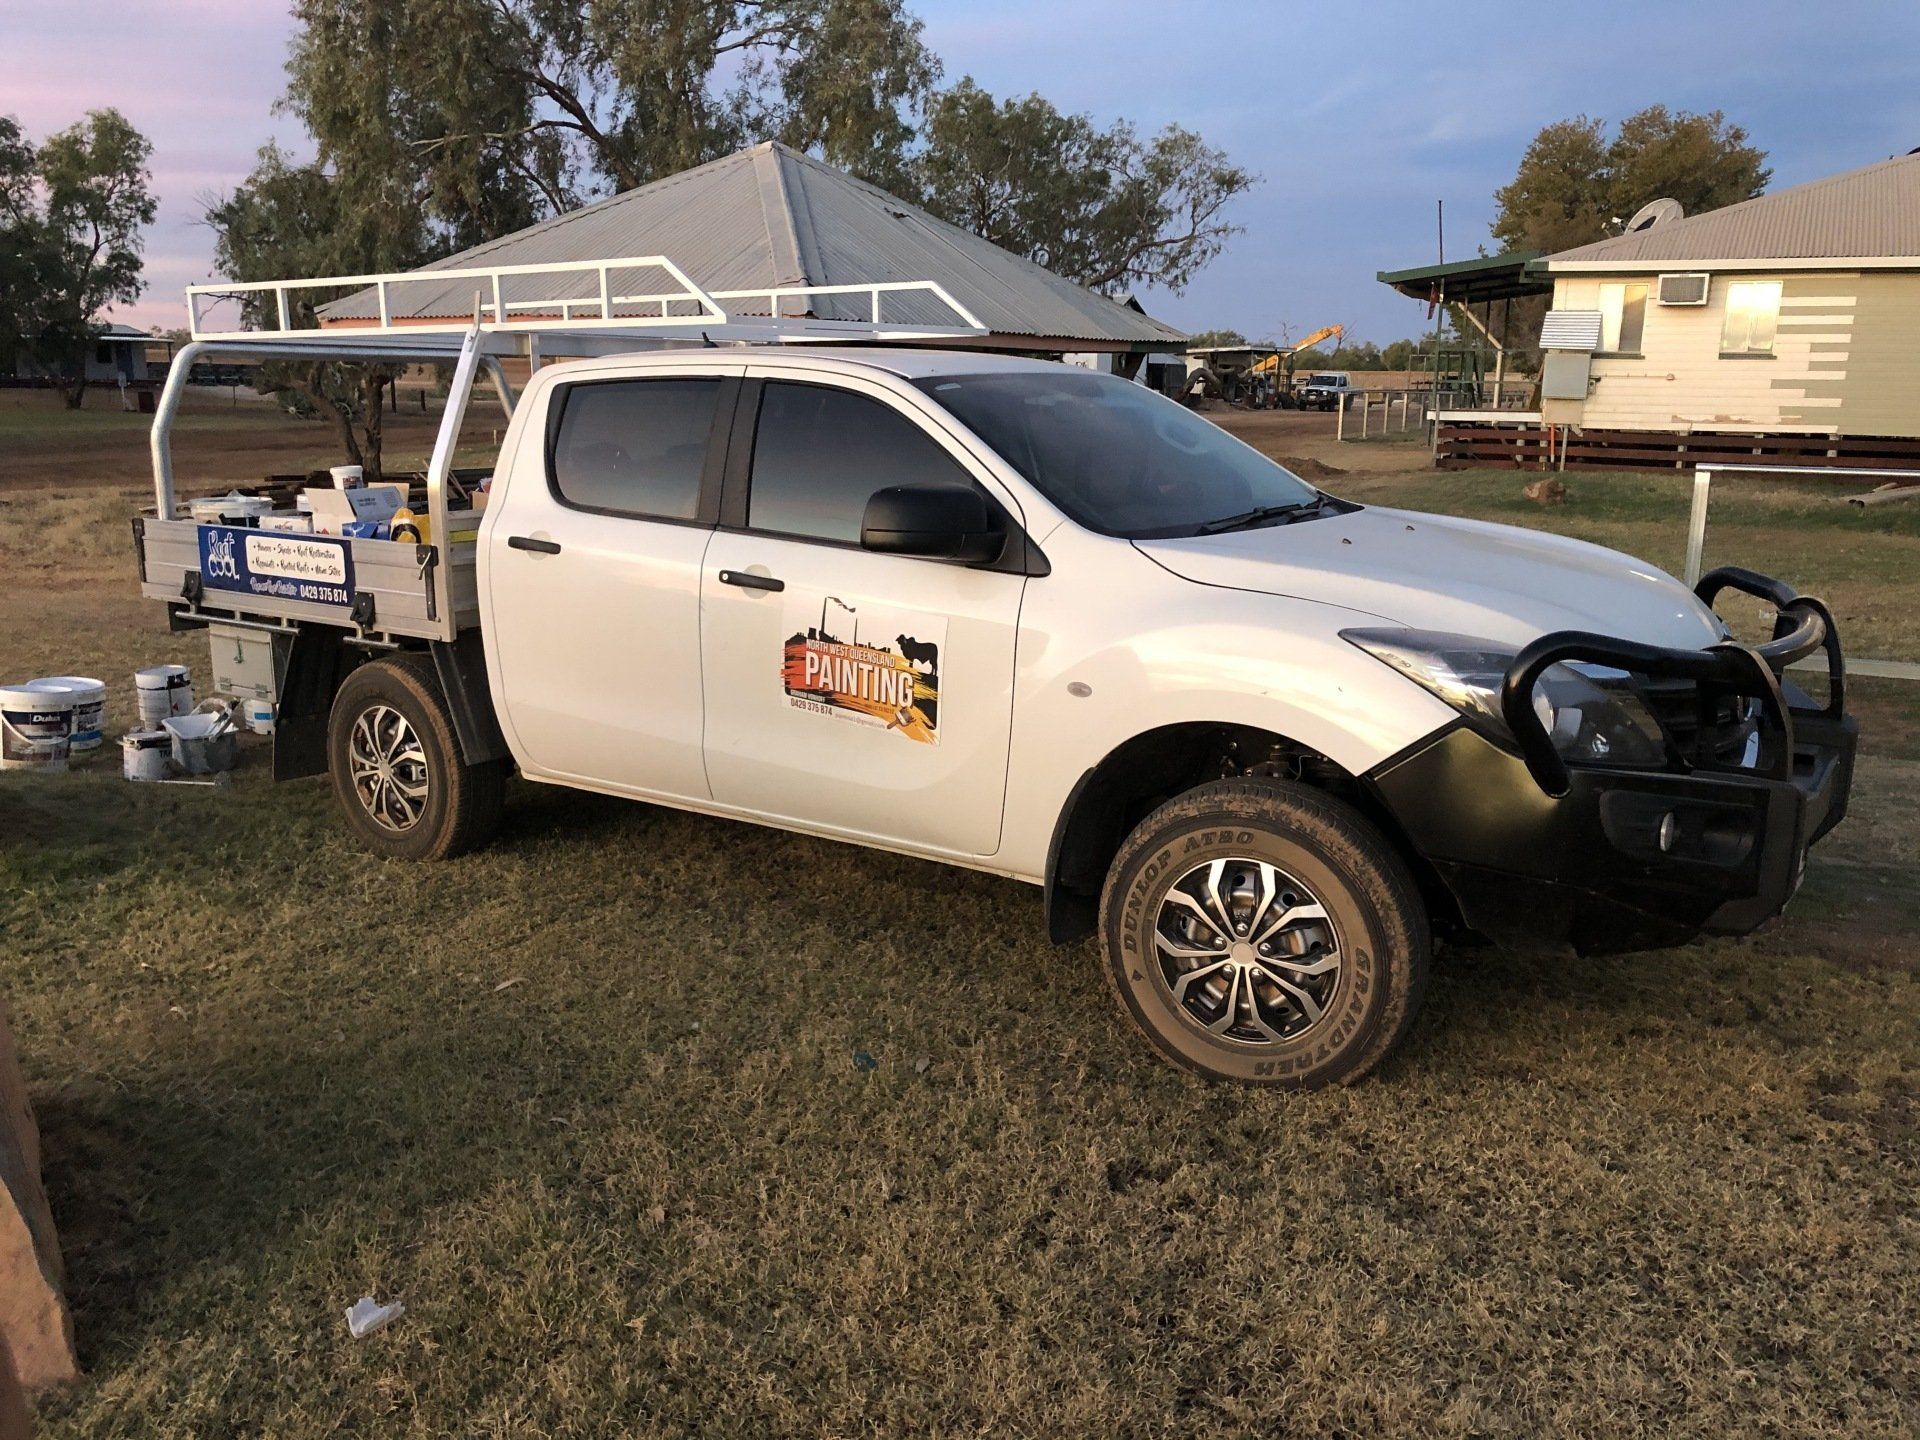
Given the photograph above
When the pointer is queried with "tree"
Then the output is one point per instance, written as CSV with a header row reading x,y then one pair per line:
x,y
1575,186
288,220
500,112
1208,338
1102,207
72,212
23,245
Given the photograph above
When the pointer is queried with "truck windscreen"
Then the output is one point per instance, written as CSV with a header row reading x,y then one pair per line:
x,y
1114,456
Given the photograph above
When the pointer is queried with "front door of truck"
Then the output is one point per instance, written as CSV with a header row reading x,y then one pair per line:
x,y
864,693
592,563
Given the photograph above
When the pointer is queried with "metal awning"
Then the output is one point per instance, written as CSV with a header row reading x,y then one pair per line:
x,y
1473,282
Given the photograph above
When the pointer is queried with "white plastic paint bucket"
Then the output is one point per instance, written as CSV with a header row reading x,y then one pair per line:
x,y
162,690
203,743
89,706
257,715
143,754
36,727
348,477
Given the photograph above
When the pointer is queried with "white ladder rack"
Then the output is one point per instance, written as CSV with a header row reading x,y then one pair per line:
x,y
571,297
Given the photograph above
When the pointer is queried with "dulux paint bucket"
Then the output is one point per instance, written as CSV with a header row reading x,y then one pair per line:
x,y
36,727
89,707
162,690
257,715
144,754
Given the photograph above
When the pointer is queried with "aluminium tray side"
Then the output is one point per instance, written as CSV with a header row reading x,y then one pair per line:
x,y
393,575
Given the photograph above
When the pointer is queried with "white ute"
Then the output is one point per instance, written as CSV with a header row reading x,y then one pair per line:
x,y
1262,742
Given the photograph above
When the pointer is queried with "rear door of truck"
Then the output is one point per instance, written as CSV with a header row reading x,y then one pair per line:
x,y
591,560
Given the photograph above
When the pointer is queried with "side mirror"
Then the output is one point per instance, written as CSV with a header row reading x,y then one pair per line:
x,y
943,522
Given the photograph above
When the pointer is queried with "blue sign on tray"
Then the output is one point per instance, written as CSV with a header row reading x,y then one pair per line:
x,y
285,565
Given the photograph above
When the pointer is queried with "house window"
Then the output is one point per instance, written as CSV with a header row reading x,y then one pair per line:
x,y
1753,310
103,353
1623,315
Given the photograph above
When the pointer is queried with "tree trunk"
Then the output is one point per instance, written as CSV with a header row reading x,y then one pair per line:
x,y
73,388
373,423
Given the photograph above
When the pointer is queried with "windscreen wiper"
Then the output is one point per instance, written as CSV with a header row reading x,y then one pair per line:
x,y
1260,515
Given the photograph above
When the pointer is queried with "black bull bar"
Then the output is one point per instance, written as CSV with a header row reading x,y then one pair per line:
x,y
1801,626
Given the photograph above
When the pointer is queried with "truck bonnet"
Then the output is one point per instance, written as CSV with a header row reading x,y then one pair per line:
x,y
1428,572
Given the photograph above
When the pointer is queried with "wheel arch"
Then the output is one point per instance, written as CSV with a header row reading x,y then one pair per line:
x,y
1153,766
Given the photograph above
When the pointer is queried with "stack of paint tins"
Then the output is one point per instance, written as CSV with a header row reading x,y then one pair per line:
x,y
163,691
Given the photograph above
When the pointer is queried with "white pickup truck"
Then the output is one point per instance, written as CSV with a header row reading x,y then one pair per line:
x,y
1263,742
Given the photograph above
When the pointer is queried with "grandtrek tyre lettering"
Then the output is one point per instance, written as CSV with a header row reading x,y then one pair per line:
x,y
1336,915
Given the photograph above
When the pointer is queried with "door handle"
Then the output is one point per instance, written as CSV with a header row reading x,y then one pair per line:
x,y
751,582
527,542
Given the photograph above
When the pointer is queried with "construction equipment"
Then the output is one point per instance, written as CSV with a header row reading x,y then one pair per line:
x,y
1276,367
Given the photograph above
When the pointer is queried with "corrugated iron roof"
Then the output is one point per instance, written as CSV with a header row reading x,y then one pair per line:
x,y
772,216
1872,213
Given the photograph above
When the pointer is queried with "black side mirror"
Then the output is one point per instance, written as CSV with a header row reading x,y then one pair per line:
x,y
944,522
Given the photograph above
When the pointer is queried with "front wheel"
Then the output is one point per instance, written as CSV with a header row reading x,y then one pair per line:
x,y
1261,931
397,769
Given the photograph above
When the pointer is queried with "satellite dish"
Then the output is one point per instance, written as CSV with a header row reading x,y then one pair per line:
x,y
1655,212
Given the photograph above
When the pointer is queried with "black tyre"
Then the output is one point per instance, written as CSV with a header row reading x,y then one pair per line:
x,y
396,766
1260,931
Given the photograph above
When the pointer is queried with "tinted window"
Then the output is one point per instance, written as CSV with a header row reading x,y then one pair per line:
x,y
635,446
819,455
1116,457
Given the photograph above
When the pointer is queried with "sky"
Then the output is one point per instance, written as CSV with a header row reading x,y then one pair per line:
x,y
1357,117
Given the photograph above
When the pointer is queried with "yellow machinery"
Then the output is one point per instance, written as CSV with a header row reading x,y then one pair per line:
x,y
1277,365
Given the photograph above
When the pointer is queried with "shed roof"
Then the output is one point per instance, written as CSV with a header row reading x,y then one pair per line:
x,y
1471,282
1871,214
772,216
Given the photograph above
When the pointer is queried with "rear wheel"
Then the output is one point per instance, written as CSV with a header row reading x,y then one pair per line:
x,y
1264,932
396,765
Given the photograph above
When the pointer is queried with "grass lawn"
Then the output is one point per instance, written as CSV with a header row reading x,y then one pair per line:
x,y
590,1103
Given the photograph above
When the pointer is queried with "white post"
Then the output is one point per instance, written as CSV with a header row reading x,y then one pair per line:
x,y
606,298
386,313
1365,411
280,297
1340,419
1697,524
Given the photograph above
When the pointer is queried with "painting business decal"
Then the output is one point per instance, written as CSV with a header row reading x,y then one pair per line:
x,y
884,685
316,569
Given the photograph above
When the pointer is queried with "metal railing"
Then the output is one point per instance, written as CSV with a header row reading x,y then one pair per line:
x,y
271,308
1378,414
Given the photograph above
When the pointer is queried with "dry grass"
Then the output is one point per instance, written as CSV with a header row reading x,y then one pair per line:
x,y
588,1103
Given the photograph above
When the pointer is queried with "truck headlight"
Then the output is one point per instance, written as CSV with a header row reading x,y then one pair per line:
x,y
1593,712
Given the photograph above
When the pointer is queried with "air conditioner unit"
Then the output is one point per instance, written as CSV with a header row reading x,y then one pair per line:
x,y
1688,289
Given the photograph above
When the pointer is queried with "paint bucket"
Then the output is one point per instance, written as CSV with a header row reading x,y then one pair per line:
x,y
162,690
89,707
36,727
204,742
348,477
143,754
257,715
